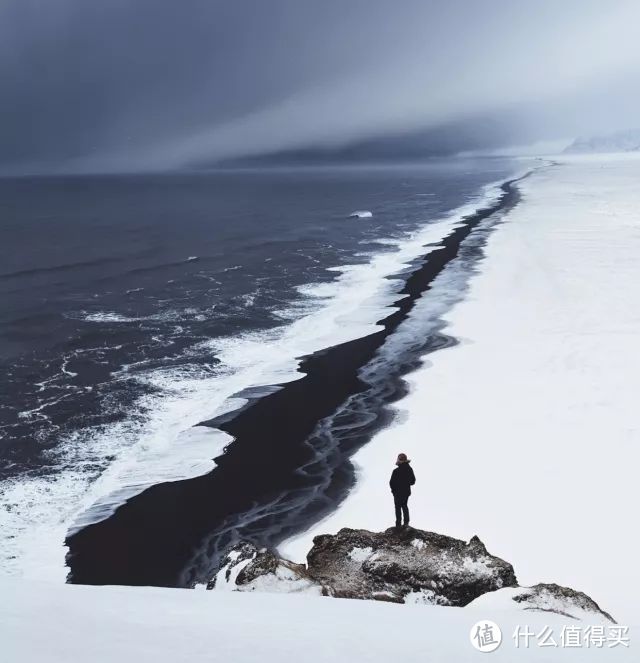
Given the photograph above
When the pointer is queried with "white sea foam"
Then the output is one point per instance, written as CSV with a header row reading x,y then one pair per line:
x,y
159,442
170,315
361,214
107,316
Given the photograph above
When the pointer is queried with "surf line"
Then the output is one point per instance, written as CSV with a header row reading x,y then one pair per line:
x,y
270,482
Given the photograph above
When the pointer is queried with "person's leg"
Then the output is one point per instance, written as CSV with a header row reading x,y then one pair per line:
x,y
405,510
398,504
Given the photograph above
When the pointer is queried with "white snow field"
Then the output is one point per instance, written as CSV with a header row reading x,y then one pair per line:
x,y
527,433
53,623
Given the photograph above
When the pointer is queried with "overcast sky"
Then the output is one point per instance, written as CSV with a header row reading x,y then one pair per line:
x,y
155,84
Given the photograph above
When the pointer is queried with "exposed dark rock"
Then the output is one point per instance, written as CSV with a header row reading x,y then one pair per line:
x,y
406,565
247,568
241,553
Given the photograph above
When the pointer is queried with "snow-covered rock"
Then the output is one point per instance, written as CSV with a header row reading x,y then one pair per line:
x,y
546,597
405,565
396,564
247,568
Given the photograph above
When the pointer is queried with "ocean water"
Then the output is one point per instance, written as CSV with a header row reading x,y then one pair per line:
x,y
133,308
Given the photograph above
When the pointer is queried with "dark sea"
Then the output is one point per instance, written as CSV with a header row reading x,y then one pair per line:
x,y
134,307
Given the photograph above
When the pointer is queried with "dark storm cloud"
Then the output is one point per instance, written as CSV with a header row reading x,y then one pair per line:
x,y
139,84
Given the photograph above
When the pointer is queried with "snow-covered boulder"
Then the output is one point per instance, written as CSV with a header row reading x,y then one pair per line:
x,y
247,568
406,566
546,597
402,566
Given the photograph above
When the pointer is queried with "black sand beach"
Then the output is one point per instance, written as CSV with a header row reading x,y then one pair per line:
x,y
276,478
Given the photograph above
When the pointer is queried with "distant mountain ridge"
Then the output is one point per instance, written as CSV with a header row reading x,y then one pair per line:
x,y
620,141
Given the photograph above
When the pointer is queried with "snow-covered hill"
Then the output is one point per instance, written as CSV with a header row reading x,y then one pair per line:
x,y
621,141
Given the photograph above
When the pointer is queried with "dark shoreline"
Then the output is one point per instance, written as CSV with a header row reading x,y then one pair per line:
x,y
277,477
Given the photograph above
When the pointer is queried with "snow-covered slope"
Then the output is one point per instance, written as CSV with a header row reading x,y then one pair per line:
x,y
47,623
527,432
622,141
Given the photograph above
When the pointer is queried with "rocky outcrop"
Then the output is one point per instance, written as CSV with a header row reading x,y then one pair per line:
x,y
247,568
402,566
406,565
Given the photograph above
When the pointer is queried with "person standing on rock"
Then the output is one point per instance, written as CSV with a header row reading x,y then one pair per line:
x,y
402,478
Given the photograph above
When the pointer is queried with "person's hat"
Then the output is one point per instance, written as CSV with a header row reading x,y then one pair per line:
x,y
402,458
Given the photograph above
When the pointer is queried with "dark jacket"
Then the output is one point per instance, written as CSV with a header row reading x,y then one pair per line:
x,y
402,478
